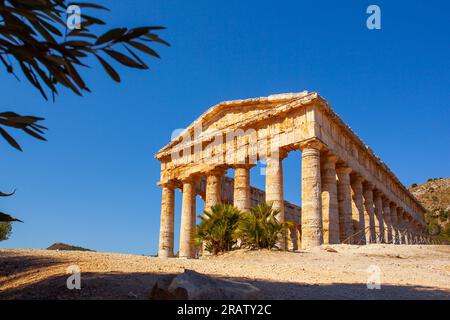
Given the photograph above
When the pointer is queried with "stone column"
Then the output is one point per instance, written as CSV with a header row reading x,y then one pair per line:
x,y
395,235
407,229
411,232
344,203
330,209
242,187
416,232
311,198
401,226
187,229
369,213
379,225
166,232
387,220
213,188
274,190
358,209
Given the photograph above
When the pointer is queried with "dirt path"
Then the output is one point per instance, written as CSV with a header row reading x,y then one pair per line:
x,y
407,272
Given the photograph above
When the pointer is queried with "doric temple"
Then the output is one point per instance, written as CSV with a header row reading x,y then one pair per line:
x,y
348,195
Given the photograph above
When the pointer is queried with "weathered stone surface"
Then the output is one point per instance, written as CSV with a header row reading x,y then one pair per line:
x,y
358,210
274,192
345,203
242,187
192,285
379,221
330,209
160,290
213,188
369,213
387,220
187,220
395,234
311,198
166,232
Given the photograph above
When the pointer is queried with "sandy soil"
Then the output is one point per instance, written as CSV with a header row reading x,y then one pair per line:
x,y
407,272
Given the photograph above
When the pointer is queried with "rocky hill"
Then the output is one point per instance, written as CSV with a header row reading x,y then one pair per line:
x,y
66,247
433,194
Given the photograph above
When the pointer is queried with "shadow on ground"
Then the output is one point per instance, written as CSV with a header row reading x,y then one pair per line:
x,y
131,286
112,285
18,264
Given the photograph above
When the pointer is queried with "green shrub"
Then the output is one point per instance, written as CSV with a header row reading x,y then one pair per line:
x,y
5,230
414,185
259,228
217,230
433,229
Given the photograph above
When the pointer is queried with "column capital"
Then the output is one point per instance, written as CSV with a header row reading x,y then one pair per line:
x,y
405,215
329,158
242,166
357,178
394,205
386,200
369,186
311,144
378,193
341,169
190,179
216,171
167,184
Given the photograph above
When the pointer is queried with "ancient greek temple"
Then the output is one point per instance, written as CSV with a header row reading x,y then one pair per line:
x,y
348,195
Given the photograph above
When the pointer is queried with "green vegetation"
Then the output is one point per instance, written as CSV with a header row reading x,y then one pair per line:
x,y
5,230
217,229
224,226
259,228
438,225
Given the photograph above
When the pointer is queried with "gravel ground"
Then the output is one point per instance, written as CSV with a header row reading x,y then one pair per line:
x,y
407,272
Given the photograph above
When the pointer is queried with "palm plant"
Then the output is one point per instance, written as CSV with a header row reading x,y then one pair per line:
x,y
217,230
259,228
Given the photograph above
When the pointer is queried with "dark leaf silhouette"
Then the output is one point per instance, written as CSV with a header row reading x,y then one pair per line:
x,y
110,70
34,39
28,124
2,194
7,218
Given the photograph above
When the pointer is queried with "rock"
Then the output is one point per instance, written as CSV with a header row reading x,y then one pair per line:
x,y
160,290
329,249
192,285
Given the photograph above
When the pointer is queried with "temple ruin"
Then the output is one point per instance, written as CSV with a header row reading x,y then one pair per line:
x,y
348,194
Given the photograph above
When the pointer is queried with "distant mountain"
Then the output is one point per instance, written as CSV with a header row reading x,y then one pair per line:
x,y
66,247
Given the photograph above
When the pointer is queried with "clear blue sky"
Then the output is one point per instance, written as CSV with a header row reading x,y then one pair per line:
x,y
93,183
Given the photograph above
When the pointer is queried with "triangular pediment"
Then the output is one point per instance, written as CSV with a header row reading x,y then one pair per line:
x,y
229,114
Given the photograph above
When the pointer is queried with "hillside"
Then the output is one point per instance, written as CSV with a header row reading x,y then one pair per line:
x,y
66,247
433,194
